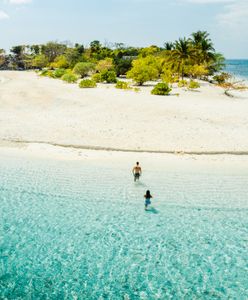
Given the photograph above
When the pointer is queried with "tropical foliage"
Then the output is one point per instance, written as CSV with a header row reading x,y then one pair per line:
x,y
194,58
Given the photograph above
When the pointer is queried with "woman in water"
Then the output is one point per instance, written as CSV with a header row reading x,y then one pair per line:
x,y
147,197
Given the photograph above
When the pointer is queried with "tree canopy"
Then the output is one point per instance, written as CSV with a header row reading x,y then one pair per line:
x,y
193,57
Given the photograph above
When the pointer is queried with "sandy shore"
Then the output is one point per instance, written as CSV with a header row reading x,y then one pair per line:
x,y
46,111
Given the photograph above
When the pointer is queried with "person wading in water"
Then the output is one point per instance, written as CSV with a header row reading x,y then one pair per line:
x,y
137,171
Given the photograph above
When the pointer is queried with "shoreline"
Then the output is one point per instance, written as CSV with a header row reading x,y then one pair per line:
x,y
112,149
166,162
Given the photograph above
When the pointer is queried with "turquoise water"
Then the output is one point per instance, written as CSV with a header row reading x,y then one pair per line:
x,y
238,67
77,230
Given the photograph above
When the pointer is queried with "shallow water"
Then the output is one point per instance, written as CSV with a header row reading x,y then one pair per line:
x,y
75,230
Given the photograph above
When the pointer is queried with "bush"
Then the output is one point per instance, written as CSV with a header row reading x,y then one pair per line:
x,y
45,72
193,85
97,77
105,65
87,83
58,73
161,89
69,78
123,85
222,78
182,83
108,76
83,68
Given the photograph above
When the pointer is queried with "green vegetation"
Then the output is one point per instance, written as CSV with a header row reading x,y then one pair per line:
x,y
58,73
144,69
123,85
191,58
108,76
69,78
193,85
97,77
161,89
182,83
83,68
87,83
222,78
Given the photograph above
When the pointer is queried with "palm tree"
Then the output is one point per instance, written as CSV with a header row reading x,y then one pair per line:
x,y
203,46
199,36
182,53
216,64
168,46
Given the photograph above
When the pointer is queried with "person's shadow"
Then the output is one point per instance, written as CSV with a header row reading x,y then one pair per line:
x,y
152,210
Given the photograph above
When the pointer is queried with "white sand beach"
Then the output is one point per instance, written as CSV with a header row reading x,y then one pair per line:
x,y
44,112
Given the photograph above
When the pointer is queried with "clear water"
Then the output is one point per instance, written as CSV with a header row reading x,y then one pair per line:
x,y
238,67
75,230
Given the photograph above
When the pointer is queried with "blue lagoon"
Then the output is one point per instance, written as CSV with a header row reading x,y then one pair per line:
x,y
78,230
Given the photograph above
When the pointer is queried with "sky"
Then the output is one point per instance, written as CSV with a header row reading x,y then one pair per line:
x,y
133,22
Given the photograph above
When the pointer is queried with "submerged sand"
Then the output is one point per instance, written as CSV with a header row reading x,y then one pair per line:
x,y
42,110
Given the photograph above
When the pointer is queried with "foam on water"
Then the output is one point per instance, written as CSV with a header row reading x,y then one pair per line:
x,y
74,230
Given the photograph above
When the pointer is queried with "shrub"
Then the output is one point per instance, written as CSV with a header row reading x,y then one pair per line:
x,y
193,85
58,73
70,78
108,76
136,89
222,78
44,72
123,85
83,68
182,83
105,65
87,83
161,89
97,77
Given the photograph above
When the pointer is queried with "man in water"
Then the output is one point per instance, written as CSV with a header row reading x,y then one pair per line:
x,y
137,171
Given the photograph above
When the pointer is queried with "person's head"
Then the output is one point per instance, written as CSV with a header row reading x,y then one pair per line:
x,y
148,194
137,163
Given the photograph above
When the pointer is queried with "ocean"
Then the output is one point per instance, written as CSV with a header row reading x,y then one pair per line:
x,y
238,68
78,230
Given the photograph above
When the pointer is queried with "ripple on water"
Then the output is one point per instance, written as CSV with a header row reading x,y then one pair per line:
x,y
74,231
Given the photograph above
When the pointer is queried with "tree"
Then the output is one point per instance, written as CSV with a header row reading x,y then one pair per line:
x,y
95,46
53,49
40,61
144,69
168,46
148,51
216,64
60,62
197,71
182,54
83,68
18,56
2,57
203,46
73,56
199,36
105,65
